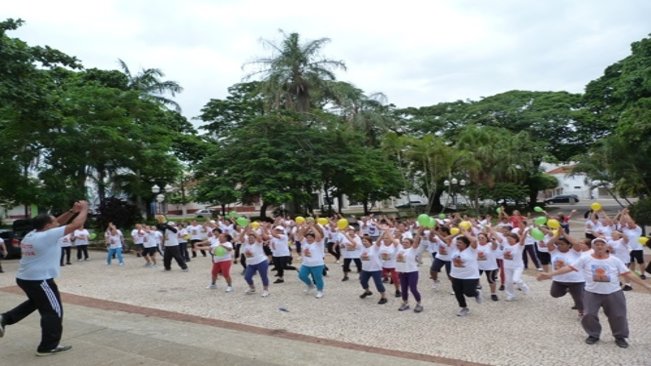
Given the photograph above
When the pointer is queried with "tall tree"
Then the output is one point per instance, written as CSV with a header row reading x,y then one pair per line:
x,y
150,86
294,73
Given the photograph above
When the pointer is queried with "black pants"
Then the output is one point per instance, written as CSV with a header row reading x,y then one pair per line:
x,y
82,249
463,288
346,266
281,264
194,252
42,295
334,250
65,252
183,247
531,250
173,252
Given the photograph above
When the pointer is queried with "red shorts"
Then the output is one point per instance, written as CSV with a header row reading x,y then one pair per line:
x,y
222,267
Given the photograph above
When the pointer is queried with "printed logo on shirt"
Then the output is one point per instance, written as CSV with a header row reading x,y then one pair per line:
x,y
386,256
559,263
248,253
443,250
481,256
400,258
307,252
599,273
458,262
365,256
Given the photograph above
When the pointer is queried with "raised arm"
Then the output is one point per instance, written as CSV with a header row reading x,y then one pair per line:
x,y
80,208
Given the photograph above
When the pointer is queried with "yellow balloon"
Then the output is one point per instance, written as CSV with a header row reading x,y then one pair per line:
x,y
255,225
466,225
553,224
322,221
596,206
300,220
342,224
644,240
454,231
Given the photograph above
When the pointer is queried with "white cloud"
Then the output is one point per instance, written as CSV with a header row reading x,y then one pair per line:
x,y
416,52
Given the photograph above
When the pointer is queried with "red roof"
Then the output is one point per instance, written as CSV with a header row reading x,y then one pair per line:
x,y
562,170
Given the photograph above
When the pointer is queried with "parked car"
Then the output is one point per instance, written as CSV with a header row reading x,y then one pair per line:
x,y
563,198
12,243
412,204
204,213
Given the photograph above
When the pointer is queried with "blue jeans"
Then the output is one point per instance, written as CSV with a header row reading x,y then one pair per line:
x,y
262,268
317,276
377,278
117,252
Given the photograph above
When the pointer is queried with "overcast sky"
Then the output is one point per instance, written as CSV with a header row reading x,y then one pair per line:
x,y
417,53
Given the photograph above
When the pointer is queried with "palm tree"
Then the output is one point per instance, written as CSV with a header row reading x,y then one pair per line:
x,y
148,83
295,73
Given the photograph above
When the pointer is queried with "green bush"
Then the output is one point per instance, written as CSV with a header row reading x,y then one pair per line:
x,y
641,211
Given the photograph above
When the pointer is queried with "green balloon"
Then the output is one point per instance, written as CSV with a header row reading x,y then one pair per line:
x,y
219,251
498,210
431,223
442,216
423,220
232,214
537,234
92,236
242,221
540,220
538,209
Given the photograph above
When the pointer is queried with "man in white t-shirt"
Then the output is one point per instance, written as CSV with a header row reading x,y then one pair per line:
x,y
39,266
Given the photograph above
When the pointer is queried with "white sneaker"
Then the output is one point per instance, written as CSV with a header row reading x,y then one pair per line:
x,y
211,286
308,289
319,294
463,312
250,291
524,288
228,289
510,298
478,297
265,293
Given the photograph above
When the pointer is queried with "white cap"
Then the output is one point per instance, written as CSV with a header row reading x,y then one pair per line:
x,y
279,228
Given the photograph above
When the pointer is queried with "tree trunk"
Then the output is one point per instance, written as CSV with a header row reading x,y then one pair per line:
x,y
365,207
340,203
263,210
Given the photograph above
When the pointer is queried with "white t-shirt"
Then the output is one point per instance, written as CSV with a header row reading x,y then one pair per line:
x,y
312,254
371,259
254,253
280,246
443,250
486,257
464,264
406,260
620,250
388,255
214,243
560,260
114,240
183,235
513,256
601,275
542,244
196,232
81,237
40,255
347,248
64,241
138,236
633,236
171,238
151,239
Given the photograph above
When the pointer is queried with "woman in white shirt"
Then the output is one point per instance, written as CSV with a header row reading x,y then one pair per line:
x,y
407,268
222,257
65,242
564,251
487,261
351,248
601,272
311,273
371,268
388,252
465,272
80,237
256,260
114,242
513,264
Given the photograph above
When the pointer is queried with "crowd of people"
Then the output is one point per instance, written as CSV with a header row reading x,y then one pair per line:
x,y
390,251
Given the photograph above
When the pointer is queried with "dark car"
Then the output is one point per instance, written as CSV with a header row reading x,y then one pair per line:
x,y
13,237
12,243
563,198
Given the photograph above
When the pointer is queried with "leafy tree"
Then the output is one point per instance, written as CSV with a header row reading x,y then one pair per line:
x,y
150,86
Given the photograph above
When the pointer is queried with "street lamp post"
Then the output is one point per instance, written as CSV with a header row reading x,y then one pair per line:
x,y
453,185
160,195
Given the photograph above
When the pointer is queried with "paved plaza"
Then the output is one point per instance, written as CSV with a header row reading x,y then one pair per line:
x,y
133,315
